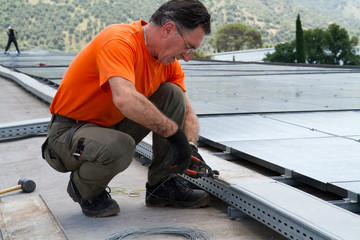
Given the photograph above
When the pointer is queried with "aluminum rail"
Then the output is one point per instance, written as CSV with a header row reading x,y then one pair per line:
x,y
23,128
41,90
288,211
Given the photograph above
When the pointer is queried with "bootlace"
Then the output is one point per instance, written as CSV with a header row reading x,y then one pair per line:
x,y
181,185
103,195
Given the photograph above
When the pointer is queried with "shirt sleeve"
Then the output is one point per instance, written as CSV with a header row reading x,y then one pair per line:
x,y
116,58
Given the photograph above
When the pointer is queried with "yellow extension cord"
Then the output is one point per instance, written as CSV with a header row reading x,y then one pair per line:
x,y
122,190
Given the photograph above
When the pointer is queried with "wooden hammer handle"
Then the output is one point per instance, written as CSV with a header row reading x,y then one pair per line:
x,y
18,187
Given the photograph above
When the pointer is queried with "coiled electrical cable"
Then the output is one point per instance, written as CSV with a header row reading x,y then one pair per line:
x,y
188,233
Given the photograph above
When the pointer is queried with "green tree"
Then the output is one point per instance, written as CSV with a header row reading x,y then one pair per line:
x,y
315,45
330,46
340,45
300,49
352,58
252,38
284,52
236,36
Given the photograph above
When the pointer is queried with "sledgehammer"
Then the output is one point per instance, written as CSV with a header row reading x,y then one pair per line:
x,y
24,184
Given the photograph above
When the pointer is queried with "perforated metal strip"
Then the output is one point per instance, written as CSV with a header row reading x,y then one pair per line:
x,y
22,130
282,222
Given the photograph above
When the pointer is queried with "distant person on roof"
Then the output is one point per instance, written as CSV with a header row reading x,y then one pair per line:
x,y
126,83
12,35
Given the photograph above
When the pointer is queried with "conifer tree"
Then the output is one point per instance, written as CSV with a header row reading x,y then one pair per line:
x,y
300,49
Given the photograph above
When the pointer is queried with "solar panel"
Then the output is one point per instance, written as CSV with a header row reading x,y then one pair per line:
x,y
318,147
281,117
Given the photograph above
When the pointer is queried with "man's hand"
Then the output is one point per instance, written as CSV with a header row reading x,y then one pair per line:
x,y
181,151
196,166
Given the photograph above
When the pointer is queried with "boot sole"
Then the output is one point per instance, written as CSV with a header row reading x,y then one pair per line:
x,y
106,213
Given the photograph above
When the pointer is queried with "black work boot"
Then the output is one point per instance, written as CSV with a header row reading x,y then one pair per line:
x,y
173,192
102,206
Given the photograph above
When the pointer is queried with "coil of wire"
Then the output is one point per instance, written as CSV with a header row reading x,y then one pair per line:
x,y
188,233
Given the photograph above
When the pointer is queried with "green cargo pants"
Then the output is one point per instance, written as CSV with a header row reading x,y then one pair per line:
x,y
107,151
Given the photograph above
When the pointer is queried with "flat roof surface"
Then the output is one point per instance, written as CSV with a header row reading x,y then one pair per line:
x,y
22,158
296,119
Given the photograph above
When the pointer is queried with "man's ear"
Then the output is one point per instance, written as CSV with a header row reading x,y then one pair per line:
x,y
168,29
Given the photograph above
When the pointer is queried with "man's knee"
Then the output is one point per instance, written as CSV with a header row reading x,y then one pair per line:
x,y
174,91
170,99
123,152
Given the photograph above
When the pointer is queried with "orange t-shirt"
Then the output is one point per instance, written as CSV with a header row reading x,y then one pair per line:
x,y
119,50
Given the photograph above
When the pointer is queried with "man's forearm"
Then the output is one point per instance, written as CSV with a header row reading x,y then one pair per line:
x,y
145,113
139,109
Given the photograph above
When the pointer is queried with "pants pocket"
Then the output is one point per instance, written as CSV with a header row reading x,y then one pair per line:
x,y
52,158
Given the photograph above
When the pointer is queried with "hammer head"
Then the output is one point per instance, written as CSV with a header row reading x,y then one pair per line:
x,y
27,185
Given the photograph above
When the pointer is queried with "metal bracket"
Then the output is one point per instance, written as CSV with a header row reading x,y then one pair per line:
x,y
234,213
288,173
353,197
347,204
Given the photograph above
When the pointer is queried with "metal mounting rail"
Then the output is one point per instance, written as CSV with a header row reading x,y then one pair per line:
x,y
23,128
276,219
42,91
288,211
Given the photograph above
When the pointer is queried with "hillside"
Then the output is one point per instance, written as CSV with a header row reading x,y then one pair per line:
x,y
67,25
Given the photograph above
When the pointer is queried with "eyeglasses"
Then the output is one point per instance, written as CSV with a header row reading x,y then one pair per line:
x,y
190,49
